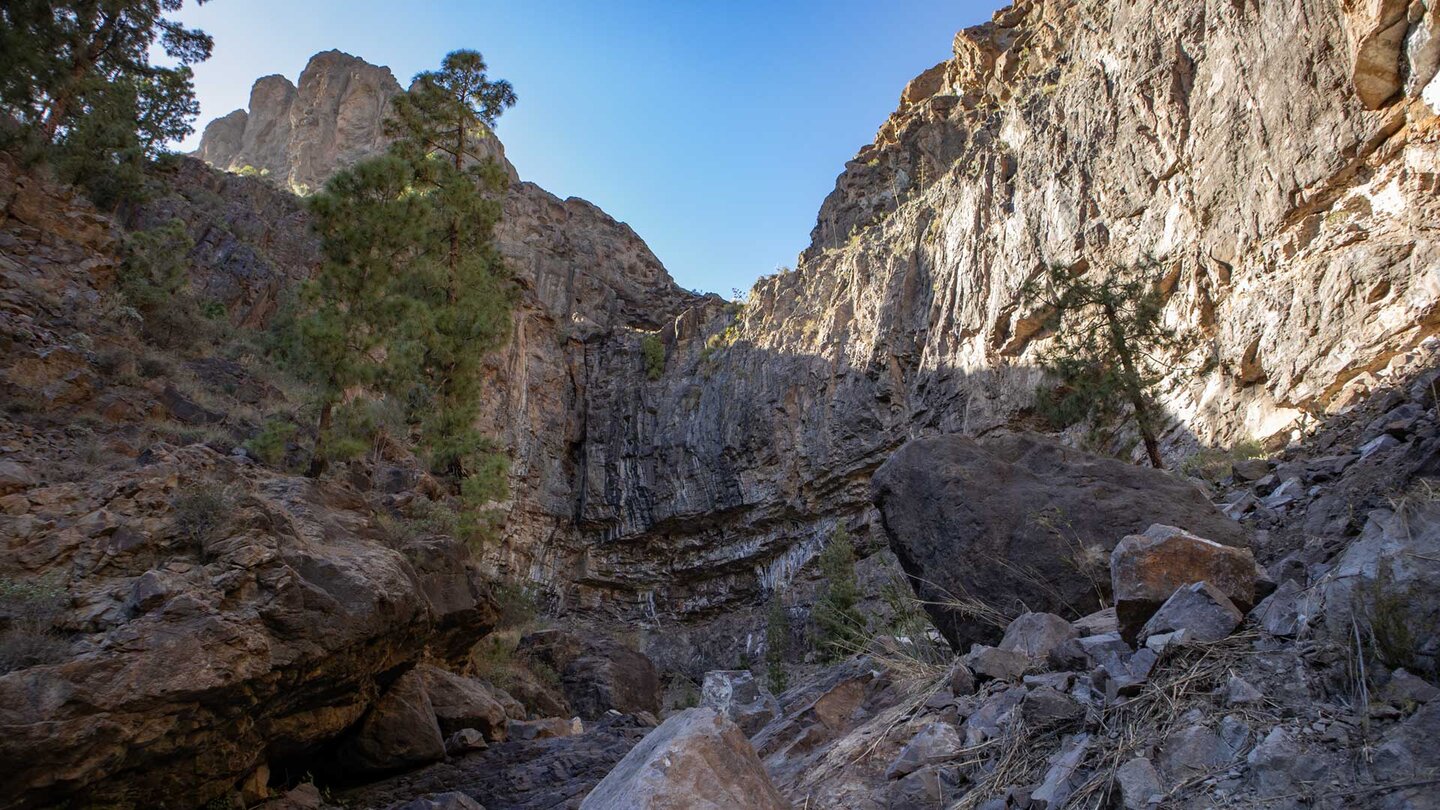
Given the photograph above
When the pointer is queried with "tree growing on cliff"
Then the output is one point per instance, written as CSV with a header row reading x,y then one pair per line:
x,y
1107,332
837,615
77,76
777,643
358,324
440,127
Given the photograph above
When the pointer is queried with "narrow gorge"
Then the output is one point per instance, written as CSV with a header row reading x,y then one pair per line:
x,y
678,463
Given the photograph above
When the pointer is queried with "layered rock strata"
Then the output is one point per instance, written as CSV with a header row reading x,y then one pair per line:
x,y
1277,163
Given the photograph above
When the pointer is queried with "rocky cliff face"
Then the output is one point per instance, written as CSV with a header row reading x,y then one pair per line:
x,y
1289,203
298,136
1277,161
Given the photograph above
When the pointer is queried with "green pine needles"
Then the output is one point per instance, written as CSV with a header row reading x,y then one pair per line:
x,y
78,78
1107,335
413,295
777,643
837,615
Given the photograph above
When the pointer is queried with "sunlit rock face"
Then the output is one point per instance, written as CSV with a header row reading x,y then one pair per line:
x,y
1228,144
297,136
1278,171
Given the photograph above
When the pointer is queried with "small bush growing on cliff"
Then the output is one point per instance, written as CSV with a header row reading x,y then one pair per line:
x,y
201,512
29,611
1107,332
837,616
272,442
777,643
653,350
153,280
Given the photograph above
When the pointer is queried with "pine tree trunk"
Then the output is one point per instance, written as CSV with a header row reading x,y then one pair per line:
x,y
1132,389
317,459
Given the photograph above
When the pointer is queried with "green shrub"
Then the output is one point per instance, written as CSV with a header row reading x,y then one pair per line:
x,y
201,512
777,643
29,611
653,350
272,443
1213,463
837,617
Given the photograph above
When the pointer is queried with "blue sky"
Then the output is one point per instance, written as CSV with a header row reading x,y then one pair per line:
x,y
714,129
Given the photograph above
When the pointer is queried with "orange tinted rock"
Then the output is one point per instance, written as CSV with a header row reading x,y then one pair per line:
x,y
1145,569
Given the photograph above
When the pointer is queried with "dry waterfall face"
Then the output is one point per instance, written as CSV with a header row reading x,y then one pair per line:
x,y
1279,162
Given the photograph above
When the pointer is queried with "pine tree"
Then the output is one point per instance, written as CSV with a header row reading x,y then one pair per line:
x,y
77,76
440,126
358,326
777,643
1107,333
842,627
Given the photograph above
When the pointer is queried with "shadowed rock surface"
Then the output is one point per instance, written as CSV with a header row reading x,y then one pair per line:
x,y
1021,523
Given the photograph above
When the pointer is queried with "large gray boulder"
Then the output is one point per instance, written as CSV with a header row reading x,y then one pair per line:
x,y
696,760
1386,579
1019,523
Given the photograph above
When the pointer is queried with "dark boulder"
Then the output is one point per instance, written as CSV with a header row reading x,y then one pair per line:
x,y
1019,523
597,673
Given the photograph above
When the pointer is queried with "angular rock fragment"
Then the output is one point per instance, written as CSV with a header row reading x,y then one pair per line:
x,y
1037,634
1001,665
463,703
741,697
543,729
1045,706
400,730
1125,675
1139,784
696,759
1200,609
1146,569
1018,522
937,742
1063,776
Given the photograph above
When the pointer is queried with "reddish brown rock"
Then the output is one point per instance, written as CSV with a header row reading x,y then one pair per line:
x,y
1146,569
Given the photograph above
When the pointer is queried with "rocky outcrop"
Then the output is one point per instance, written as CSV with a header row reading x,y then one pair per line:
x,y
200,648
1066,133
696,760
1015,523
597,674
297,136
177,622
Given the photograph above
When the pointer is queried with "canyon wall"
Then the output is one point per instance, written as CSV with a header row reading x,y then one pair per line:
x,y
1277,162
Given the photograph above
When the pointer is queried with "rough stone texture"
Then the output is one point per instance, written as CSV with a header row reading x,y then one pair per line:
x,y
1019,522
696,760
398,732
460,703
741,697
539,774
1067,133
997,664
937,742
1138,783
252,241
1388,576
597,674
271,638
296,137
1145,569
547,728
1037,634
1199,609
